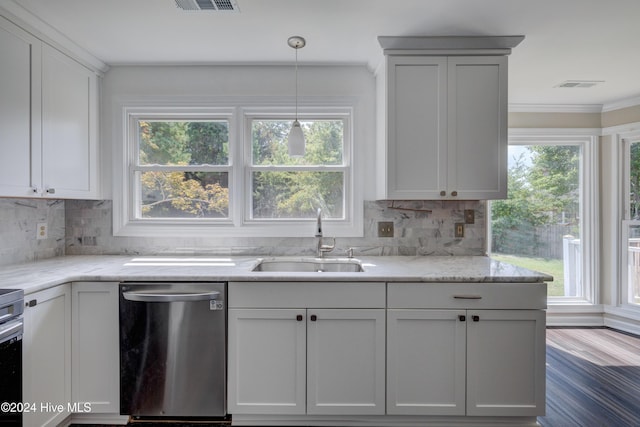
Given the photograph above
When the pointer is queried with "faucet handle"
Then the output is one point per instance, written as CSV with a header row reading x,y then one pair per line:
x,y
350,253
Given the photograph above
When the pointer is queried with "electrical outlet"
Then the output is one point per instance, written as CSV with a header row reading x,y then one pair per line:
x,y
385,229
459,230
42,231
469,216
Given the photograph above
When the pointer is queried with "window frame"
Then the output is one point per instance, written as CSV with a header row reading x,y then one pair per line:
x,y
346,166
237,111
587,139
622,300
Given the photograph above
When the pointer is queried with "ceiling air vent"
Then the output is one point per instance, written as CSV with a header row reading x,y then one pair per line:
x,y
208,5
579,83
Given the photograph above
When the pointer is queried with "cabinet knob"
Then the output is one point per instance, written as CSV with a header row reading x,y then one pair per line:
x,y
299,317
51,191
35,190
462,318
443,193
454,193
314,317
476,318
31,303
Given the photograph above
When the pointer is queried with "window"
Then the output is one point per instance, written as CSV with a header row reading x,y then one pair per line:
x,y
181,169
630,289
284,187
225,171
546,224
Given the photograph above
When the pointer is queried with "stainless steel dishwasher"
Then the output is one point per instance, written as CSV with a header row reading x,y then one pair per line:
x,y
173,349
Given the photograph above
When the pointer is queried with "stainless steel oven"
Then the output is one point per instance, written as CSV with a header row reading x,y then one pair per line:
x,y
11,309
173,350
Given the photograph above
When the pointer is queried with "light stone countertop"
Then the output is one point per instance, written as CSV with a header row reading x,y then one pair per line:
x,y
39,275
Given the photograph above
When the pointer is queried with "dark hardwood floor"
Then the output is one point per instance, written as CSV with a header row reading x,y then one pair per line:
x,y
593,379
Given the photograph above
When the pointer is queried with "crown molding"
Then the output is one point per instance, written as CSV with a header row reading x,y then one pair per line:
x,y
45,32
622,103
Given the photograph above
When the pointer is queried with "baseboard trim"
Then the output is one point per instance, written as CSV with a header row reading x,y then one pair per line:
x,y
575,319
382,421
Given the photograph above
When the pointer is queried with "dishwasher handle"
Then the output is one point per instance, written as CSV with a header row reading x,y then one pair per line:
x,y
11,330
169,296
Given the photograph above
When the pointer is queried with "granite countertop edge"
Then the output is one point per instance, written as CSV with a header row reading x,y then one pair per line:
x,y
39,275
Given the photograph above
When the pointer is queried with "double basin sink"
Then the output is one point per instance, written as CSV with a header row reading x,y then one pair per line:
x,y
309,265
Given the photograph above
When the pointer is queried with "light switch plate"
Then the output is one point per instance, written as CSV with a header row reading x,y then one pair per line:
x,y
385,229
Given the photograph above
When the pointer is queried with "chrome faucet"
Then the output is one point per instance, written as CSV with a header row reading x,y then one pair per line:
x,y
321,247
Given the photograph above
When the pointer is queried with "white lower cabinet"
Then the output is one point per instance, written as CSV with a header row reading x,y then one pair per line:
x,y
506,362
267,361
47,356
460,360
95,355
306,348
345,362
466,362
306,361
426,362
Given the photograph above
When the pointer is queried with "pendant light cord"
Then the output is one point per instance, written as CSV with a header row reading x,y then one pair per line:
x,y
296,83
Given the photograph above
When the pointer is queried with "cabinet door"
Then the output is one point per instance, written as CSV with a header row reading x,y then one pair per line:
x,y
47,356
20,58
416,127
96,370
267,355
506,362
345,362
426,362
69,96
477,127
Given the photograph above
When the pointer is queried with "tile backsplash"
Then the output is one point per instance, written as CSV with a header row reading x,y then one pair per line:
x,y
18,229
84,227
421,228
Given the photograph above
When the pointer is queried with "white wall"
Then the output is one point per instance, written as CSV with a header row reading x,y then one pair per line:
x,y
355,84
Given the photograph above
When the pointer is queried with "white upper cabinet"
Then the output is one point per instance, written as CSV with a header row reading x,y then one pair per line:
x,y
443,121
69,127
48,120
18,50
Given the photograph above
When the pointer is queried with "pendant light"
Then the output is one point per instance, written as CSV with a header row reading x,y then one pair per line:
x,y
296,137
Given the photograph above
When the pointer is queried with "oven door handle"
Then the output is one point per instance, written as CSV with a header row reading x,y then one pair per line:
x,y
168,296
10,330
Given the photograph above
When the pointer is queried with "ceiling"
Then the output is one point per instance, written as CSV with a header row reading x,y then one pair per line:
x,y
565,39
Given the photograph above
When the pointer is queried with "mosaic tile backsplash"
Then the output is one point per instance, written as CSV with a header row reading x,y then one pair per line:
x,y
421,228
18,230
83,227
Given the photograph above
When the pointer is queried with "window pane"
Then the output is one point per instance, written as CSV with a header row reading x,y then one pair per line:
x,y
324,140
184,194
538,226
175,142
634,181
297,194
633,257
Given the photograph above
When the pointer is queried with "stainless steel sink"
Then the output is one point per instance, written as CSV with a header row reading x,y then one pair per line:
x,y
310,265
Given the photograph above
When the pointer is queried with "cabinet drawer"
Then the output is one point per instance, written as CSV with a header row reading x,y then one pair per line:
x,y
306,295
467,295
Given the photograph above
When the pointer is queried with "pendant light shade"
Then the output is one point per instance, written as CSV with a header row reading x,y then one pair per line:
x,y
296,136
296,140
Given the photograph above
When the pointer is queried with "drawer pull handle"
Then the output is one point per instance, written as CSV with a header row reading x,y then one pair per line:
x,y
467,297
299,317
476,318
314,317
462,318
